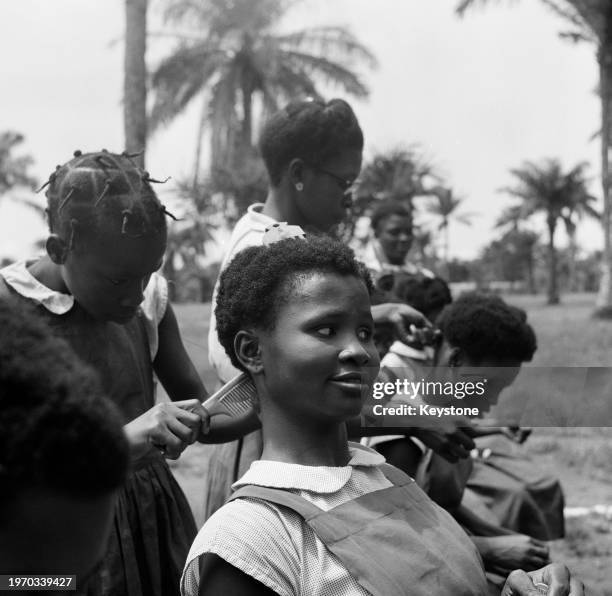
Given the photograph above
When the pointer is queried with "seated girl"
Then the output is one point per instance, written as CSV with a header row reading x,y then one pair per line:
x,y
317,514
482,335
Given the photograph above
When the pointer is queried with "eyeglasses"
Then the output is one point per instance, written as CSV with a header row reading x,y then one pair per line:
x,y
347,186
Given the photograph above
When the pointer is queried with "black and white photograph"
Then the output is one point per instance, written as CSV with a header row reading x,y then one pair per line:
x,y
306,297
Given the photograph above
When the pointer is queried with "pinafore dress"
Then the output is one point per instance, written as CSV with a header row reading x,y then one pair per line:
x,y
392,541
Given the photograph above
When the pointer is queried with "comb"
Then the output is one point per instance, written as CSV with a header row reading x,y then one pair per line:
x,y
236,398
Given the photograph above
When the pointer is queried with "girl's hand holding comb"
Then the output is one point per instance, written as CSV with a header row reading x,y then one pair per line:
x,y
170,427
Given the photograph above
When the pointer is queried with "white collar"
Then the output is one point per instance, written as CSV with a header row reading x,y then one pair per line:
x,y
24,283
256,216
316,479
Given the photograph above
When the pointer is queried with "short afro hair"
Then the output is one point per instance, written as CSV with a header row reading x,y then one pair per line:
x,y
427,294
57,431
386,209
311,130
259,279
484,326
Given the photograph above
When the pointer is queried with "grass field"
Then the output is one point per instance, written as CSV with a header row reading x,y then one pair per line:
x,y
580,457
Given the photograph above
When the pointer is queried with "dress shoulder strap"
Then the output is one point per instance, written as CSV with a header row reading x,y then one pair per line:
x,y
280,497
395,475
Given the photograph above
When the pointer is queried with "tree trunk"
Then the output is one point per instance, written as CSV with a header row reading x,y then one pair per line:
x,y
446,249
135,77
604,299
198,151
247,111
553,284
530,274
572,270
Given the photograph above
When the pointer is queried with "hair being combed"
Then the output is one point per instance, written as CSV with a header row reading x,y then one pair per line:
x,y
57,430
100,194
484,326
311,130
427,294
259,279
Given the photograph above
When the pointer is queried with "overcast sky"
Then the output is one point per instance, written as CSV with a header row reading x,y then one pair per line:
x,y
479,95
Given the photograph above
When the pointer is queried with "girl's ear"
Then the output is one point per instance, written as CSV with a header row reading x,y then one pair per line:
x,y
57,249
296,174
248,351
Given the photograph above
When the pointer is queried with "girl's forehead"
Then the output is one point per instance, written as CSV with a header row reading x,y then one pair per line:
x,y
396,220
322,288
122,253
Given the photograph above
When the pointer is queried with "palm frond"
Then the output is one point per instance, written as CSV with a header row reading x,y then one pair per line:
x,y
179,78
577,36
330,41
582,30
566,11
331,72
14,170
510,216
594,14
290,82
465,5
586,16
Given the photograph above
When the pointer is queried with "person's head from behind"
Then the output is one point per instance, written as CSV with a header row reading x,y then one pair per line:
x,y
296,316
391,222
63,453
427,294
108,232
313,152
485,338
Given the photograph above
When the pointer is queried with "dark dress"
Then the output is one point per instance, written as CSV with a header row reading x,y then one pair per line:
x,y
522,497
153,526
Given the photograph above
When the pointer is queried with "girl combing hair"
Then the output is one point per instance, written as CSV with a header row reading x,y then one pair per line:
x,y
97,287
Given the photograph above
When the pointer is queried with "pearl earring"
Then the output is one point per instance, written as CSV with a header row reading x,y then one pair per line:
x,y
299,187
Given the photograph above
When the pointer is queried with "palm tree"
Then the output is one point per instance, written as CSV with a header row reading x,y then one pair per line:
x,y
14,174
581,205
511,218
545,188
591,21
522,242
444,206
399,175
240,67
135,78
